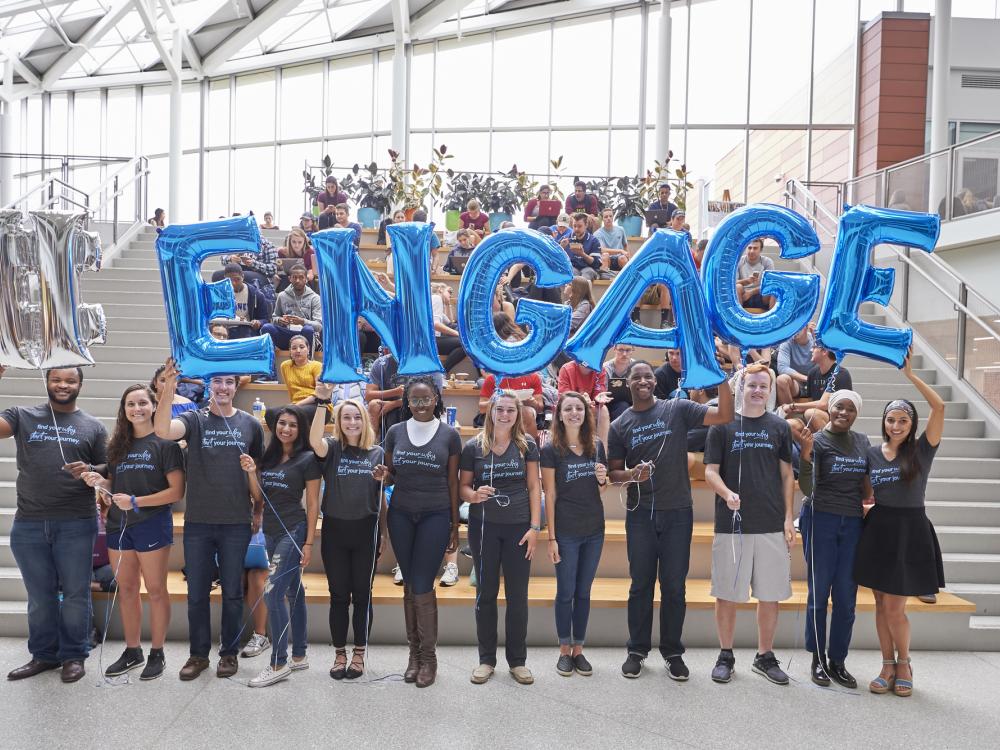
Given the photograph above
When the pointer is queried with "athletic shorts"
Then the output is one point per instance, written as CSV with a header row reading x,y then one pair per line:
x,y
152,534
762,565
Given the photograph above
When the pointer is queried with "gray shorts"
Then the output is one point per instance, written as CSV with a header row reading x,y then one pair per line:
x,y
762,561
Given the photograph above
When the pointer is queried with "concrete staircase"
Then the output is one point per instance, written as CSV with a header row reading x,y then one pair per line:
x,y
963,494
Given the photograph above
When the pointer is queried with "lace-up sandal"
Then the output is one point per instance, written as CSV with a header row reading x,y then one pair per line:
x,y
904,688
339,668
881,685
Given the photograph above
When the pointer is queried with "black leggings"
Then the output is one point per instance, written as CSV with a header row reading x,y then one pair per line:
x,y
349,552
450,347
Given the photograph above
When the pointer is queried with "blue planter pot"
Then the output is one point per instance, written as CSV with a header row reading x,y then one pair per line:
x,y
369,218
496,220
632,225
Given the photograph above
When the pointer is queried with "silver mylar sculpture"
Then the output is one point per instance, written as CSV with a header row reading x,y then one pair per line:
x,y
43,324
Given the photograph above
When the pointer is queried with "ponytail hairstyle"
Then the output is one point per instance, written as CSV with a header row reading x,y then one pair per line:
x,y
909,463
429,382
124,435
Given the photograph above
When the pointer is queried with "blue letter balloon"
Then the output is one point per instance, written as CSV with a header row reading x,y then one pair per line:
x,y
664,258
796,293
404,321
549,323
191,303
853,280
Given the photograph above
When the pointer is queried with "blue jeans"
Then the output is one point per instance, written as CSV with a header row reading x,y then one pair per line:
x,y
579,557
285,580
203,543
56,556
419,541
829,541
658,547
282,336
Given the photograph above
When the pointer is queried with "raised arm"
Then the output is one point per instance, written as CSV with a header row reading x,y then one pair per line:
x,y
935,421
164,425
723,413
317,429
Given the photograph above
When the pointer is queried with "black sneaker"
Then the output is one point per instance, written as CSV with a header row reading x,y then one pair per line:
x,y
725,665
677,669
767,665
154,665
129,660
565,665
632,666
582,665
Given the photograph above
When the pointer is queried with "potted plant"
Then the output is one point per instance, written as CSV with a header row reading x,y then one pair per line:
x,y
629,204
438,171
408,184
676,177
372,193
501,199
456,196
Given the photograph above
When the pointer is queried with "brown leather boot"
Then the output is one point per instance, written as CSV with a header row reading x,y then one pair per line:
x,y
427,630
410,615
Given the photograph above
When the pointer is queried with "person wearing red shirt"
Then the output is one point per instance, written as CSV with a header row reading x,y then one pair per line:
x,y
531,407
474,220
579,378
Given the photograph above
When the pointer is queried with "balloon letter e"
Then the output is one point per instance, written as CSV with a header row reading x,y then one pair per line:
x,y
853,280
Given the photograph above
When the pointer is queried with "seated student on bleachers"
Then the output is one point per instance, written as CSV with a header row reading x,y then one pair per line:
x,y
331,197
500,301
300,372
307,223
581,201
159,219
473,218
297,312
268,222
180,403
679,223
398,217
384,392
462,250
748,276
563,228
219,332
449,344
813,415
583,249
794,363
343,221
615,372
614,243
297,245
662,203
532,209
579,295
698,252
259,269
668,376
251,307
421,216
577,378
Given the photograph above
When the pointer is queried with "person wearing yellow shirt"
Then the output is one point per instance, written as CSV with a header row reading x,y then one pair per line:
x,y
300,373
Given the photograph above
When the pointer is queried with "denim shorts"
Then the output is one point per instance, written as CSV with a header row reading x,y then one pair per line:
x,y
152,534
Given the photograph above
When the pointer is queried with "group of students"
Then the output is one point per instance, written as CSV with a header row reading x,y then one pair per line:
x,y
235,485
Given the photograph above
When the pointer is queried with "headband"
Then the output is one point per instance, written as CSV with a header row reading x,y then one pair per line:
x,y
900,405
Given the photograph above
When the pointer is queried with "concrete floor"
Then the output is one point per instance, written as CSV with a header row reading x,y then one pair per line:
x,y
954,706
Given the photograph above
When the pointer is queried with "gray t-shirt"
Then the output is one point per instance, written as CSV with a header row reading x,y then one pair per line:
x,y
285,485
887,483
507,474
658,434
613,239
421,472
579,510
143,472
350,492
839,467
746,269
218,490
749,452
45,492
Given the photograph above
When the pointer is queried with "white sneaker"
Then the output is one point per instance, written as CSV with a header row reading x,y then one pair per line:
x,y
256,646
397,576
270,675
450,577
295,666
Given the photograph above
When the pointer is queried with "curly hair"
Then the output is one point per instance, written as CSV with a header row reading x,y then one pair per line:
x,y
421,380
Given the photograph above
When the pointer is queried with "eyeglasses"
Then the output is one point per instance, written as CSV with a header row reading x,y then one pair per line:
x,y
420,402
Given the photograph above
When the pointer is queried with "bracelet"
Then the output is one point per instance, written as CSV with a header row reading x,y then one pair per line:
x,y
135,504
307,544
534,527
321,401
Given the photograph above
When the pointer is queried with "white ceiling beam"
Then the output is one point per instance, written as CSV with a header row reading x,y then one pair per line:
x,y
18,65
190,51
360,21
149,19
494,5
233,44
434,15
103,25
29,6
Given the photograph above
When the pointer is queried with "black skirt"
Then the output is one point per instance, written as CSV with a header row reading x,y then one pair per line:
x,y
898,552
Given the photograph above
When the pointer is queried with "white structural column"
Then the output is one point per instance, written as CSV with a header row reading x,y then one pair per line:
x,y
663,84
940,74
7,145
174,166
400,79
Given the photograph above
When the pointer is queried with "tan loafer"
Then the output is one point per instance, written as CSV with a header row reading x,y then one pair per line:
x,y
482,674
522,675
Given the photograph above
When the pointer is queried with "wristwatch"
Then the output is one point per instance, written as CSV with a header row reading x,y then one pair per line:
x,y
533,527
